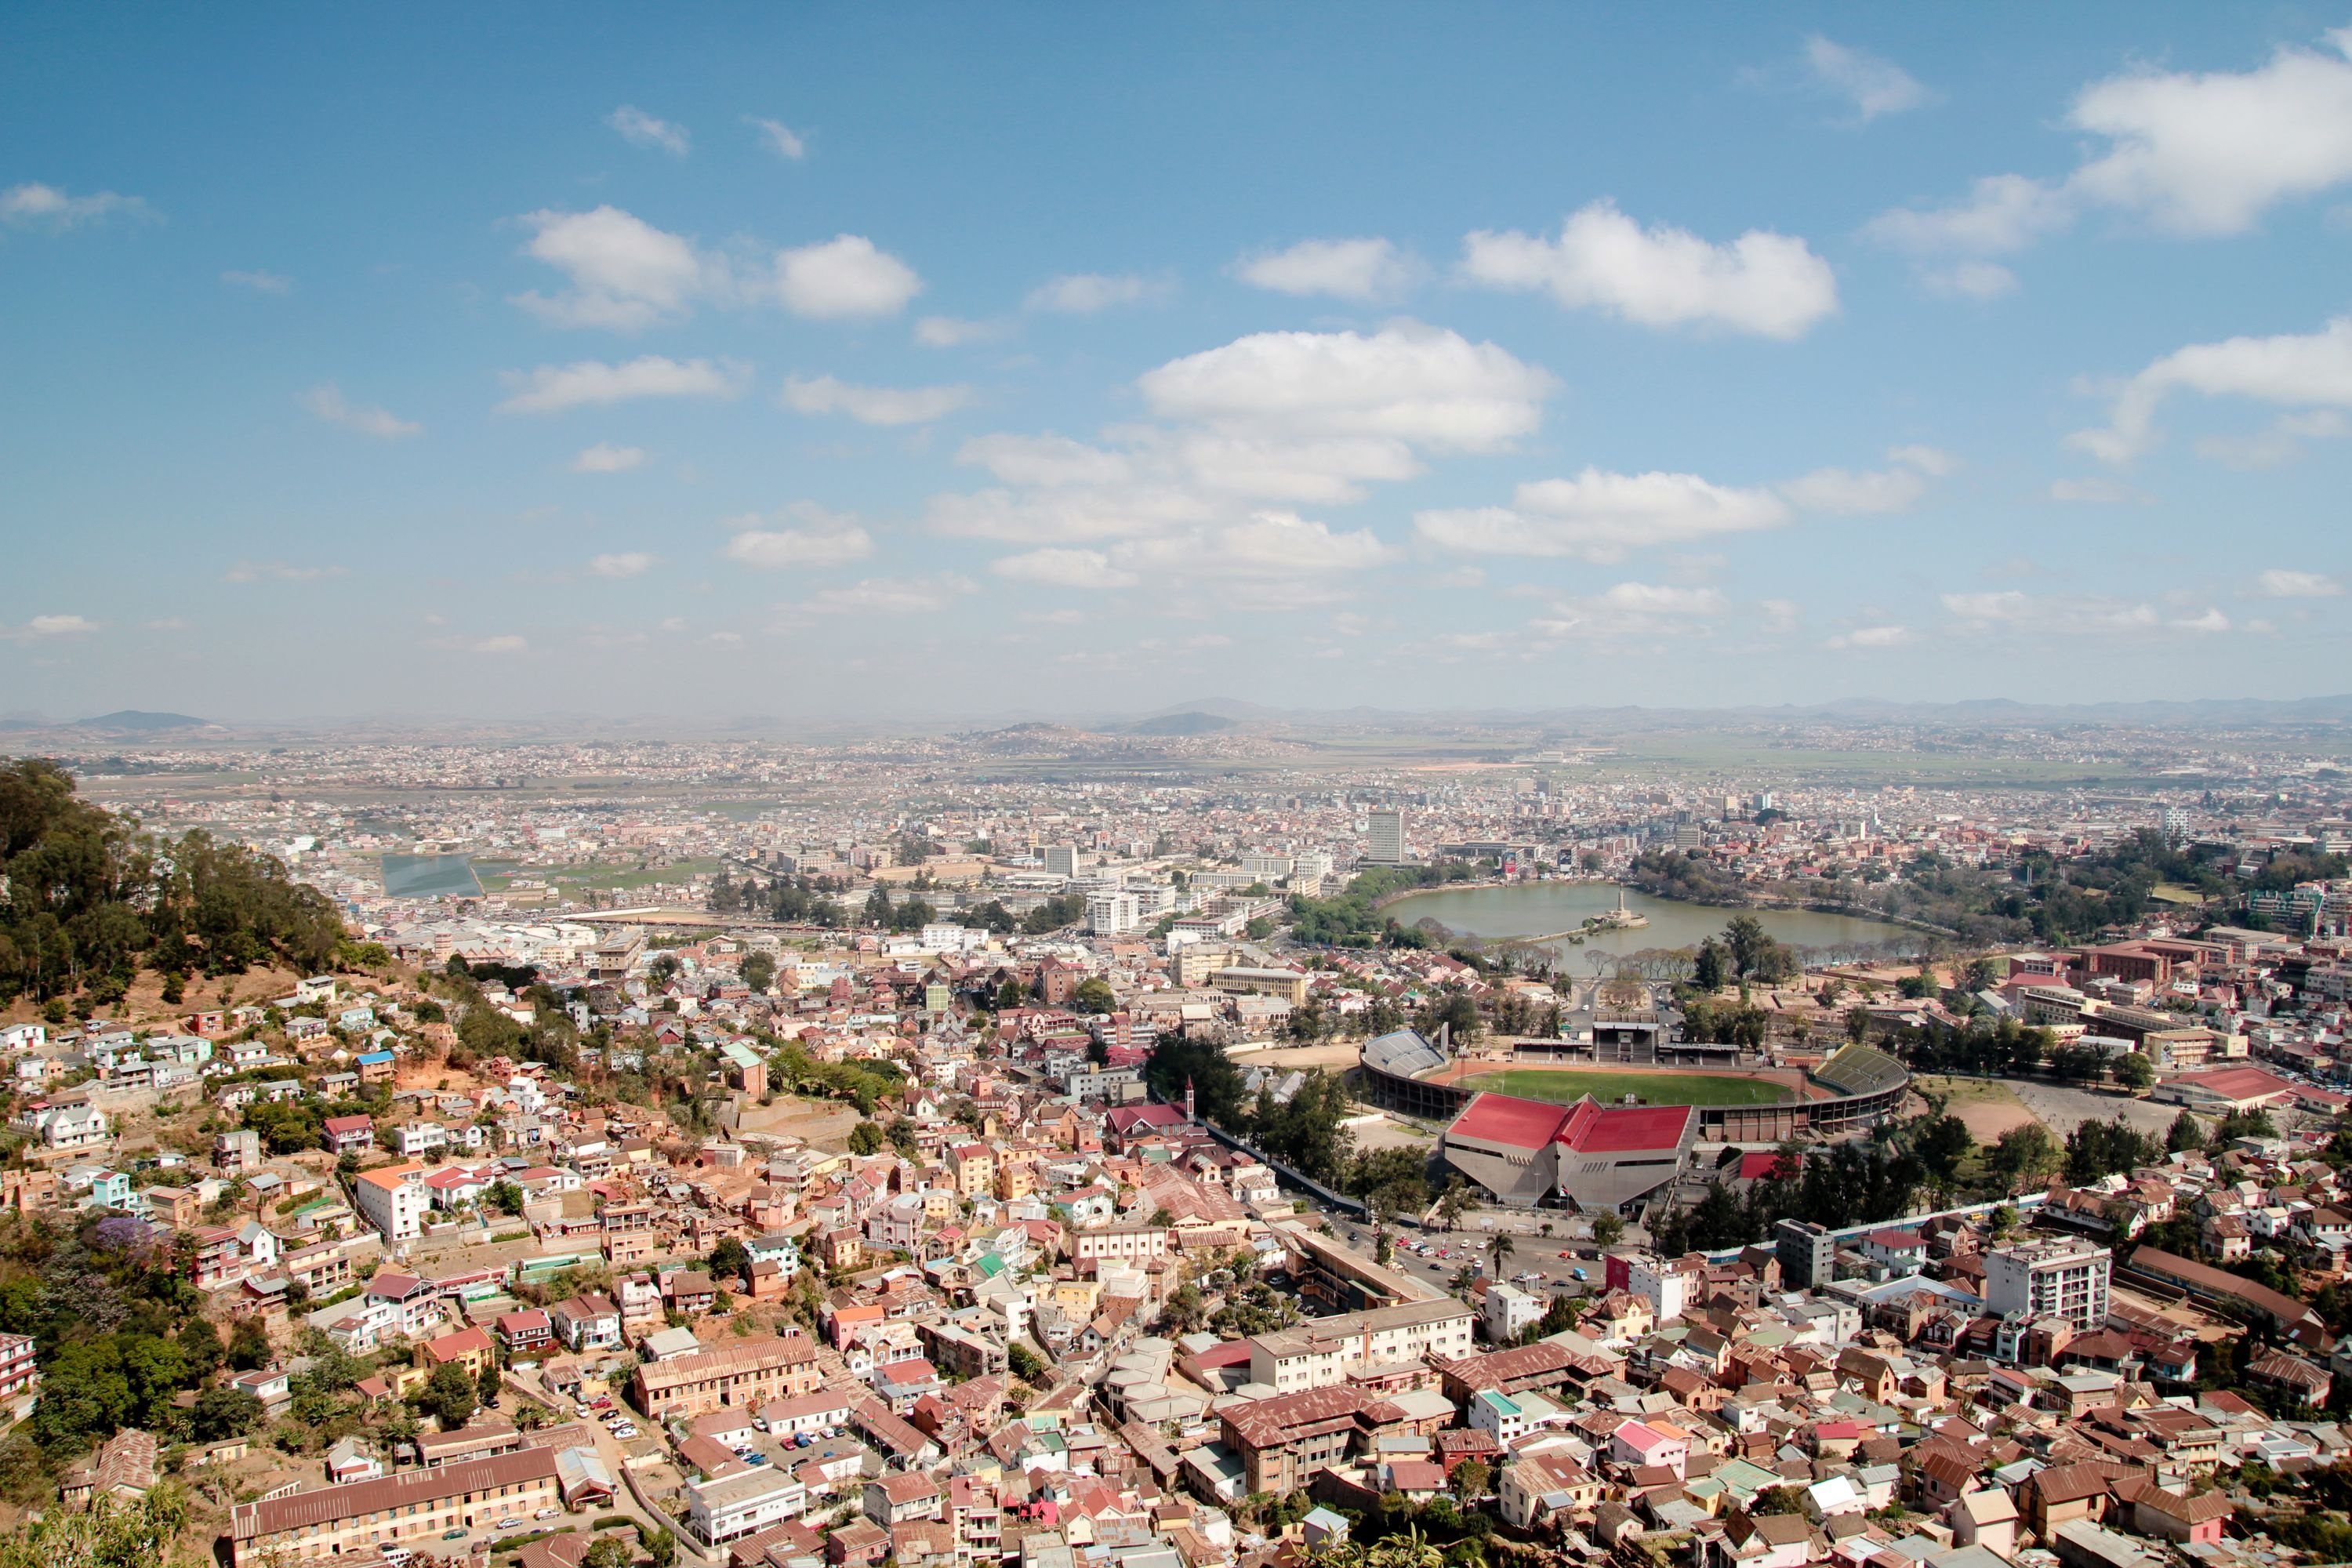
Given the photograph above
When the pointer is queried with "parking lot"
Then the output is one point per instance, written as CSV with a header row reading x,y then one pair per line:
x,y
1536,1256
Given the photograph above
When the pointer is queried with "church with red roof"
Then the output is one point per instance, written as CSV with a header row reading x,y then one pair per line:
x,y
1592,1155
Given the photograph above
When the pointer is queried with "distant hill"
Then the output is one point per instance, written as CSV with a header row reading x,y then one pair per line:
x,y
134,720
1191,723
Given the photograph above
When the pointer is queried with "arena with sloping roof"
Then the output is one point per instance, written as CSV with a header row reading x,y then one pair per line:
x,y
1591,1155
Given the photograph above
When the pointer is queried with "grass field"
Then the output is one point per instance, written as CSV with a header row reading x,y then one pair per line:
x,y
1655,1089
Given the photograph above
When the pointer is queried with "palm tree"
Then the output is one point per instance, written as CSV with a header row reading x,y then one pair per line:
x,y
1499,1251
1406,1549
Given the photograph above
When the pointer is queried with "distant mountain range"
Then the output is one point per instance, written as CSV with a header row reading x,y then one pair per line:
x,y
127,721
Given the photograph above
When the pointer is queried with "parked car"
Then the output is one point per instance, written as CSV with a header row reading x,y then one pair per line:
x,y
547,1513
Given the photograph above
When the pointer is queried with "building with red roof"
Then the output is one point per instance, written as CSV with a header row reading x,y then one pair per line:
x,y
1595,1156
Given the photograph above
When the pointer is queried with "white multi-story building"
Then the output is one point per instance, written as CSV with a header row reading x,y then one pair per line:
x,y
1508,1310
394,1199
1265,865
1320,1353
1111,913
2062,1277
1061,859
1384,838
1668,1284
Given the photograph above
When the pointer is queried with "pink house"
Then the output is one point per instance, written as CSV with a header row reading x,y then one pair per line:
x,y
1645,1443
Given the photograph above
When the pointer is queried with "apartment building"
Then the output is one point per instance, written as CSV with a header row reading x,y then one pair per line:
x,y
1122,1243
18,1375
2062,1277
394,1199
1320,1352
729,1508
415,1506
750,1372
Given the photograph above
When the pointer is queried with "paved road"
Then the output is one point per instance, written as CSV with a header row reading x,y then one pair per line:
x,y
615,1454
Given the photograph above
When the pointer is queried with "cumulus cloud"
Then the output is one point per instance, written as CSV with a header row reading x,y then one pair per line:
x,y
1768,284
504,643
2282,442
639,128
259,282
803,534
843,277
1871,636
873,404
326,401
2308,370
778,138
44,627
889,596
605,458
2195,153
2287,583
1080,569
37,205
624,273
552,388
1366,271
1087,293
1872,85
1599,515
2208,152
1409,383
622,565
627,274
948,332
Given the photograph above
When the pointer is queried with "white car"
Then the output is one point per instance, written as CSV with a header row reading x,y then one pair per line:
x,y
547,1513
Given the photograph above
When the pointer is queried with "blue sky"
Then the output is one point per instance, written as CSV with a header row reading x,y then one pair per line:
x,y
916,361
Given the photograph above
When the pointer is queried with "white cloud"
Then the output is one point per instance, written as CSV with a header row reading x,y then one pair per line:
x,y
259,282
1847,494
280,572
42,626
2094,492
327,402
37,205
947,332
1086,294
1930,460
1045,461
551,389
2282,442
624,273
1269,543
1873,85
2296,371
605,458
1768,284
1599,515
801,535
507,643
778,138
1366,271
639,128
843,277
622,565
889,596
1781,614
873,404
1082,569
2197,154
1630,610
2075,615
2285,583
1408,382
1970,281
2001,213
2206,154
1871,636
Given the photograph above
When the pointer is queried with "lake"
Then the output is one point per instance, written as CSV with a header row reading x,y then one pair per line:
x,y
1532,909
430,877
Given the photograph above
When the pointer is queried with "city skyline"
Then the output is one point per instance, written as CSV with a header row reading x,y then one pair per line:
x,y
836,363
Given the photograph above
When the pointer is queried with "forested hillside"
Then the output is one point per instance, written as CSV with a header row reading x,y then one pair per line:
x,y
87,900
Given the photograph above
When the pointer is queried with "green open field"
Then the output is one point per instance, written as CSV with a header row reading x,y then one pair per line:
x,y
1569,1084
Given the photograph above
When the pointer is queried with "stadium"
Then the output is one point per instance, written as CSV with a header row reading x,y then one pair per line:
x,y
1855,1087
